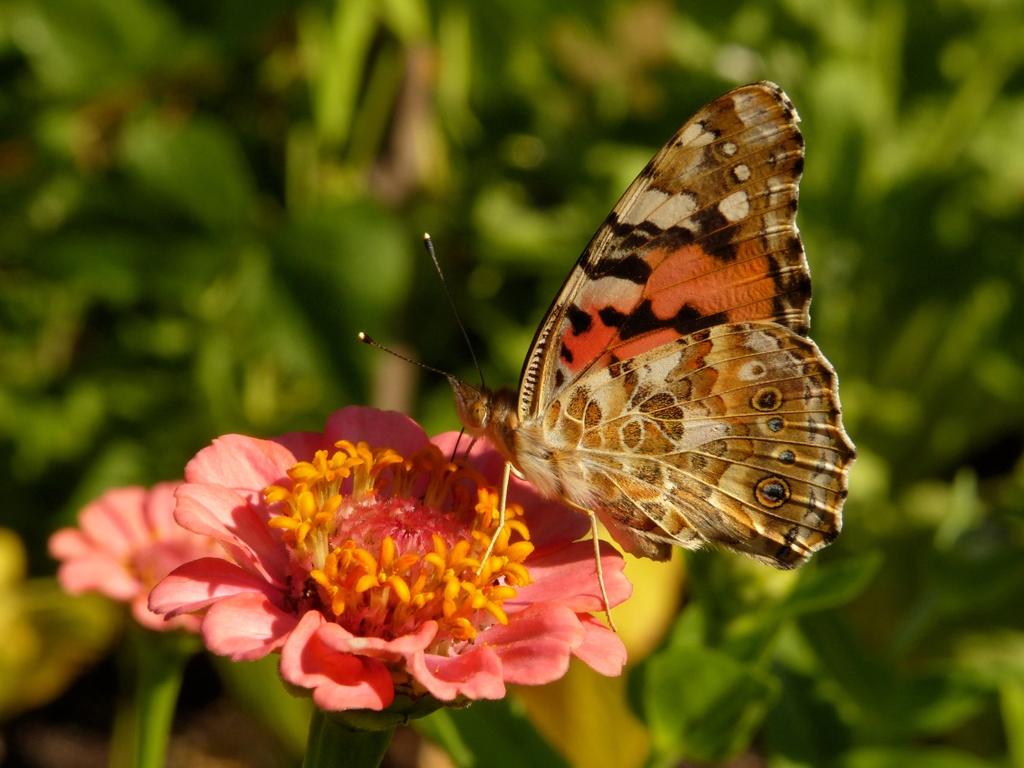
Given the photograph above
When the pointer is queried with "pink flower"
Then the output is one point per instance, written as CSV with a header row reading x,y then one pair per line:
x,y
362,566
127,541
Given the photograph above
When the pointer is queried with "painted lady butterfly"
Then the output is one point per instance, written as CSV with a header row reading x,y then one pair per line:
x,y
671,389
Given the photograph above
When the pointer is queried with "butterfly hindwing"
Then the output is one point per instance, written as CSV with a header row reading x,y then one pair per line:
x,y
705,235
730,435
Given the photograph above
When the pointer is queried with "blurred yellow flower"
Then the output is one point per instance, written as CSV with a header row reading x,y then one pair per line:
x,y
48,636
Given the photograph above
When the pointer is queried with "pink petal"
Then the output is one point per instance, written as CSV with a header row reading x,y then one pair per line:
x,y
222,514
380,429
475,674
446,442
339,680
115,520
602,649
202,582
246,627
158,623
161,557
70,542
302,445
340,639
534,647
99,573
159,510
240,462
567,575
549,520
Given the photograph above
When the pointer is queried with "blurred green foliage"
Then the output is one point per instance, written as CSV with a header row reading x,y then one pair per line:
x,y
201,203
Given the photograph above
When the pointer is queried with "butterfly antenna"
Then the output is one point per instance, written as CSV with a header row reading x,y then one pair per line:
x,y
369,341
428,243
455,448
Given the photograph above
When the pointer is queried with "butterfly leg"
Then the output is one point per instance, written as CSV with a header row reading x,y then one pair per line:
x,y
501,517
600,569
597,561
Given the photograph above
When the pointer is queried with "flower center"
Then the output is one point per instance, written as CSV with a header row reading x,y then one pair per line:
x,y
388,542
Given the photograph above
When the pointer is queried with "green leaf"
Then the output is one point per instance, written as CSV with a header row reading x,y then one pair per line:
x,y
702,704
1011,700
922,757
350,266
802,726
820,587
197,164
492,733
829,585
884,700
338,45
86,46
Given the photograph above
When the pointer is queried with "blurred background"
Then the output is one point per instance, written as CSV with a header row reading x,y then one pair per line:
x,y
202,203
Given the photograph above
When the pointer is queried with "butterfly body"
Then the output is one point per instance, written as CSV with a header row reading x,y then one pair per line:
x,y
671,388
548,463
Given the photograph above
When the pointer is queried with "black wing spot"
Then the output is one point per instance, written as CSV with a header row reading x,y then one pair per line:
x,y
565,353
715,233
676,237
702,321
642,320
631,268
578,319
611,317
633,241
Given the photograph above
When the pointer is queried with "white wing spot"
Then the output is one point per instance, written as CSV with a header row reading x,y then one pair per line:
x,y
741,172
752,371
696,136
761,341
676,208
735,207
729,149
642,207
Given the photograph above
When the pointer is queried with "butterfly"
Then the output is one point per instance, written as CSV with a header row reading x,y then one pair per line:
x,y
671,390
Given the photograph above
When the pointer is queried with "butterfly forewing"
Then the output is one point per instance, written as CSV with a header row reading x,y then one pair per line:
x,y
706,234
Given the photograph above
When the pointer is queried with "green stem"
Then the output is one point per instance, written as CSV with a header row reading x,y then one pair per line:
x,y
143,725
332,744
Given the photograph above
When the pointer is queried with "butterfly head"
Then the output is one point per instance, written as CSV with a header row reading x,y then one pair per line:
x,y
485,413
472,405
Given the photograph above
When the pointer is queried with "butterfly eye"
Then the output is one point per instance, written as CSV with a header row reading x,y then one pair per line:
x,y
480,413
